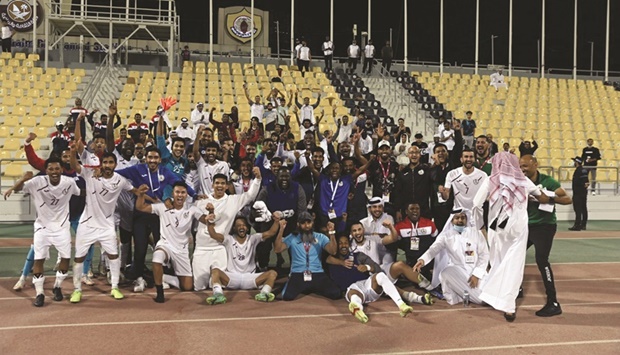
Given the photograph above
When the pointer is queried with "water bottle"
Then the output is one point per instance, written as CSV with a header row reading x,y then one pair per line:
x,y
465,298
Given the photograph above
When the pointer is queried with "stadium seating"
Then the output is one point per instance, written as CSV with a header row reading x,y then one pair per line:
x,y
220,85
560,113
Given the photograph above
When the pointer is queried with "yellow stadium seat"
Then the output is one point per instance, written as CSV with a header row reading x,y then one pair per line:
x,y
5,131
21,132
29,121
36,111
14,170
12,144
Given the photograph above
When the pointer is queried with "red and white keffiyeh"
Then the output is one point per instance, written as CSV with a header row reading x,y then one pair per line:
x,y
507,183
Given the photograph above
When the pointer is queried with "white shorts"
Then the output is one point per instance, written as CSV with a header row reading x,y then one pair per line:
x,y
240,281
386,270
87,236
365,288
204,261
44,239
179,260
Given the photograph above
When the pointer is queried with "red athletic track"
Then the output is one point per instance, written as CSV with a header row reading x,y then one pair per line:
x,y
590,297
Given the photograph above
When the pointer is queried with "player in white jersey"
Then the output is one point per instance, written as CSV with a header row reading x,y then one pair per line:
x,y
372,246
208,253
240,272
175,224
51,194
465,183
208,166
97,221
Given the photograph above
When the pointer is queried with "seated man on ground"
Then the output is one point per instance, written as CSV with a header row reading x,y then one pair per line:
x,y
306,247
352,269
468,255
240,273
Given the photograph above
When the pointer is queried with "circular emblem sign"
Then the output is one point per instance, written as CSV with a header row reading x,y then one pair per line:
x,y
19,15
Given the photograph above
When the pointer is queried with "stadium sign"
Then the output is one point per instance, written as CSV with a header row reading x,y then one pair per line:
x,y
19,15
239,25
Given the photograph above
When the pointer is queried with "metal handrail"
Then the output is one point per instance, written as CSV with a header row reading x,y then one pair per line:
x,y
560,176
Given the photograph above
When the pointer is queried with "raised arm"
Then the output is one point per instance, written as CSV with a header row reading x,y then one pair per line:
x,y
392,237
218,237
311,166
211,119
109,132
361,170
77,146
141,204
247,94
332,246
278,223
318,101
279,246
19,185
78,126
196,147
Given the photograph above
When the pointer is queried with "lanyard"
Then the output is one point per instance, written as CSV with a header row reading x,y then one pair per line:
x,y
334,189
386,172
413,227
307,248
148,172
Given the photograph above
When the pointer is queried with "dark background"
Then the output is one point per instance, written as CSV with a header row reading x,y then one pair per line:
x,y
312,23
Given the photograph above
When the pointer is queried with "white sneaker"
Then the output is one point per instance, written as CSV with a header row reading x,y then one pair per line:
x,y
19,285
165,285
139,285
87,280
593,193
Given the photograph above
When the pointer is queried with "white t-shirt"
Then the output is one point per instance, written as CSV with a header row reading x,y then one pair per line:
x,y
366,144
257,110
206,172
497,78
6,32
225,209
328,44
304,53
122,163
344,133
101,198
199,118
464,186
174,224
297,50
270,116
354,51
369,51
51,202
307,112
450,142
372,246
241,256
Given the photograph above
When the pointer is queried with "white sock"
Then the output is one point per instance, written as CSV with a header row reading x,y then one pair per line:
x,y
266,289
217,288
389,288
38,284
413,297
22,278
356,300
115,271
60,277
423,282
78,269
173,281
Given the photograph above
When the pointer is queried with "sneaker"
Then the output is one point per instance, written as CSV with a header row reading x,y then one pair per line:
x,y
510,317
427,299
550,309
358,313
583,228
405,309
87,280
165,285
593,193
520,295
58,294
39,301
216,299
139,285
574,228
437,293
265,297
76,296
19,285
90,273
423,281
116,293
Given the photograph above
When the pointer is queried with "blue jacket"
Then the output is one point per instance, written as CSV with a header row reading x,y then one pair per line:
x,y
156,181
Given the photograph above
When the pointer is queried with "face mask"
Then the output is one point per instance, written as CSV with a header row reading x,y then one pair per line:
x,y
459,229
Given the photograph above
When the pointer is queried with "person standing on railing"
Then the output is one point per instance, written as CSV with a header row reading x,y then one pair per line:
x,y
580,195
387,53
590,157
369,57
328,53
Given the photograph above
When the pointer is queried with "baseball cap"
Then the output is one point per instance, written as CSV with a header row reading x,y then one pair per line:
x,y
418,135
184,119
577,159
304,217
60,123
383,143
200,104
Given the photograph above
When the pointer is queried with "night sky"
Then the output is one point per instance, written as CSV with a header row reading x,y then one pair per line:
x,y
312,23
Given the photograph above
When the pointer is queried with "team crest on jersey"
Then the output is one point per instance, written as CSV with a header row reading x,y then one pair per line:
x,y
476,181
185,214
161,178
421,172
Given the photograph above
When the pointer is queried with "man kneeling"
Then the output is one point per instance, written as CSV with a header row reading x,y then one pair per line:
x,y
240,271
174,223
468,256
